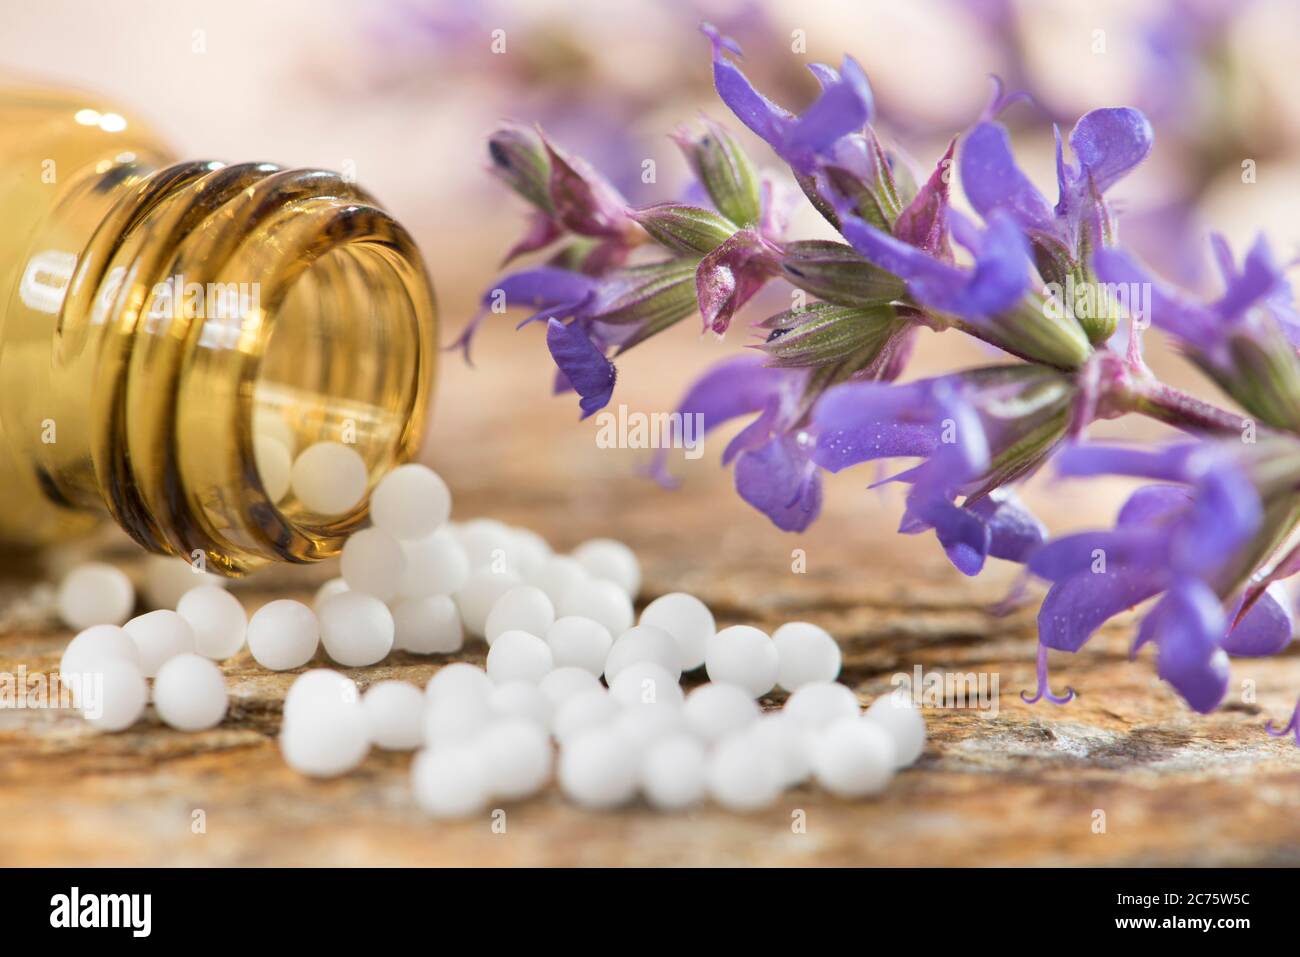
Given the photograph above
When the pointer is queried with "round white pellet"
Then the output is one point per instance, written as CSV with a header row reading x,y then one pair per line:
x,y
742,776
335,586
522,608
584,713
612,561
602,601
901,718
427,626
274,466
269,423
522,700
329,478
318,689
95,594
646,683
114,697
788,742
356,629
283,635
556,576
673,772
805,654
644,724
688,620
581,643
167,578
565,682
95,643
518,758
489,544
644,643
189,693
160,636
519,656
715,711
325,739
459,678
818,704
435,565
853,757
394,712
742,655
410,502
450,782
598,770
531,552
218,619
455,719
479,593
373,563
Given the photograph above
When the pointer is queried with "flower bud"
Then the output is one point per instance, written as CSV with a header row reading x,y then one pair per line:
x,y
689,230
520,161
836,273
725,172
824,333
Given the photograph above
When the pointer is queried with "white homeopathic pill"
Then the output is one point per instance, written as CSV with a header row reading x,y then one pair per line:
x,y
853,757
319,688
450,782
612,561
167,578
805,653
489,544
394,712
531,552
556,575
435,565
479,593
644,724
580,642
646,683
522,700
115,698
583,713
335,586
519,656
818,704
742,775
644,643
673,772
94,643
95,594
325,738
159,636
717,710
787,741
517,756
521,608
565,682
688,620
459,677
427,626
373,562
742,655
901,718
600,600
218,619
356,629
283,634
189,693
329,478
598,769
410,502
455,719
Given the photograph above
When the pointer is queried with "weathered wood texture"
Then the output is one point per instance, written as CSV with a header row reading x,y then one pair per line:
x,y
1021,786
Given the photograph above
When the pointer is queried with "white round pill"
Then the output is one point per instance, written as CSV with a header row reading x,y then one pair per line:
x,y
329,478
356,629
479,593
584,713
645,683
742,776
489,544
394,712
450,782
818,704
901,718
95,643
673,772
319,688
160,636
517,755
602,601
95,594
598,770
435,565
788,742
580,642
167,578
522,700
531,552
218,619
274,467
189,693
688,620
268,422
853,757
325,739
335,586
644,724
644,643
556,575
455,719
805,654
565,682
373,563
612,561
113,697
519,656
715,711
459,678
283,635
742,655
427,626
410,502
522,608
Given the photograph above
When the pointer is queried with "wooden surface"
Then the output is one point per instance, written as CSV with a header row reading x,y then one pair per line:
x,y
1020,787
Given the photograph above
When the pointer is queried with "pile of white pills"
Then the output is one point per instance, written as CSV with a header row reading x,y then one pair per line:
x,y
576,688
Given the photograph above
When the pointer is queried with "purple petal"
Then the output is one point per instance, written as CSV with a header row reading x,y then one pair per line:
x,y
1167,464
780,481
1189,624
844,107
1257,280
767,120
1078,606
963,535
589,373
1265,629
859,422
1152,504
1110,142
1110,550
584,200
1171,311
993,181
1014,531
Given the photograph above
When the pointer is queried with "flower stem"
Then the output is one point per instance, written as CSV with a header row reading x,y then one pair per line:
x,y
1175,407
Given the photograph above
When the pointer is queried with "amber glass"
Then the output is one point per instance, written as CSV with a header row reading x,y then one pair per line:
x,y
155,315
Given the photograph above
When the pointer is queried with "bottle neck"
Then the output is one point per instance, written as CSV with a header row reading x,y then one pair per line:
x,y
218,308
